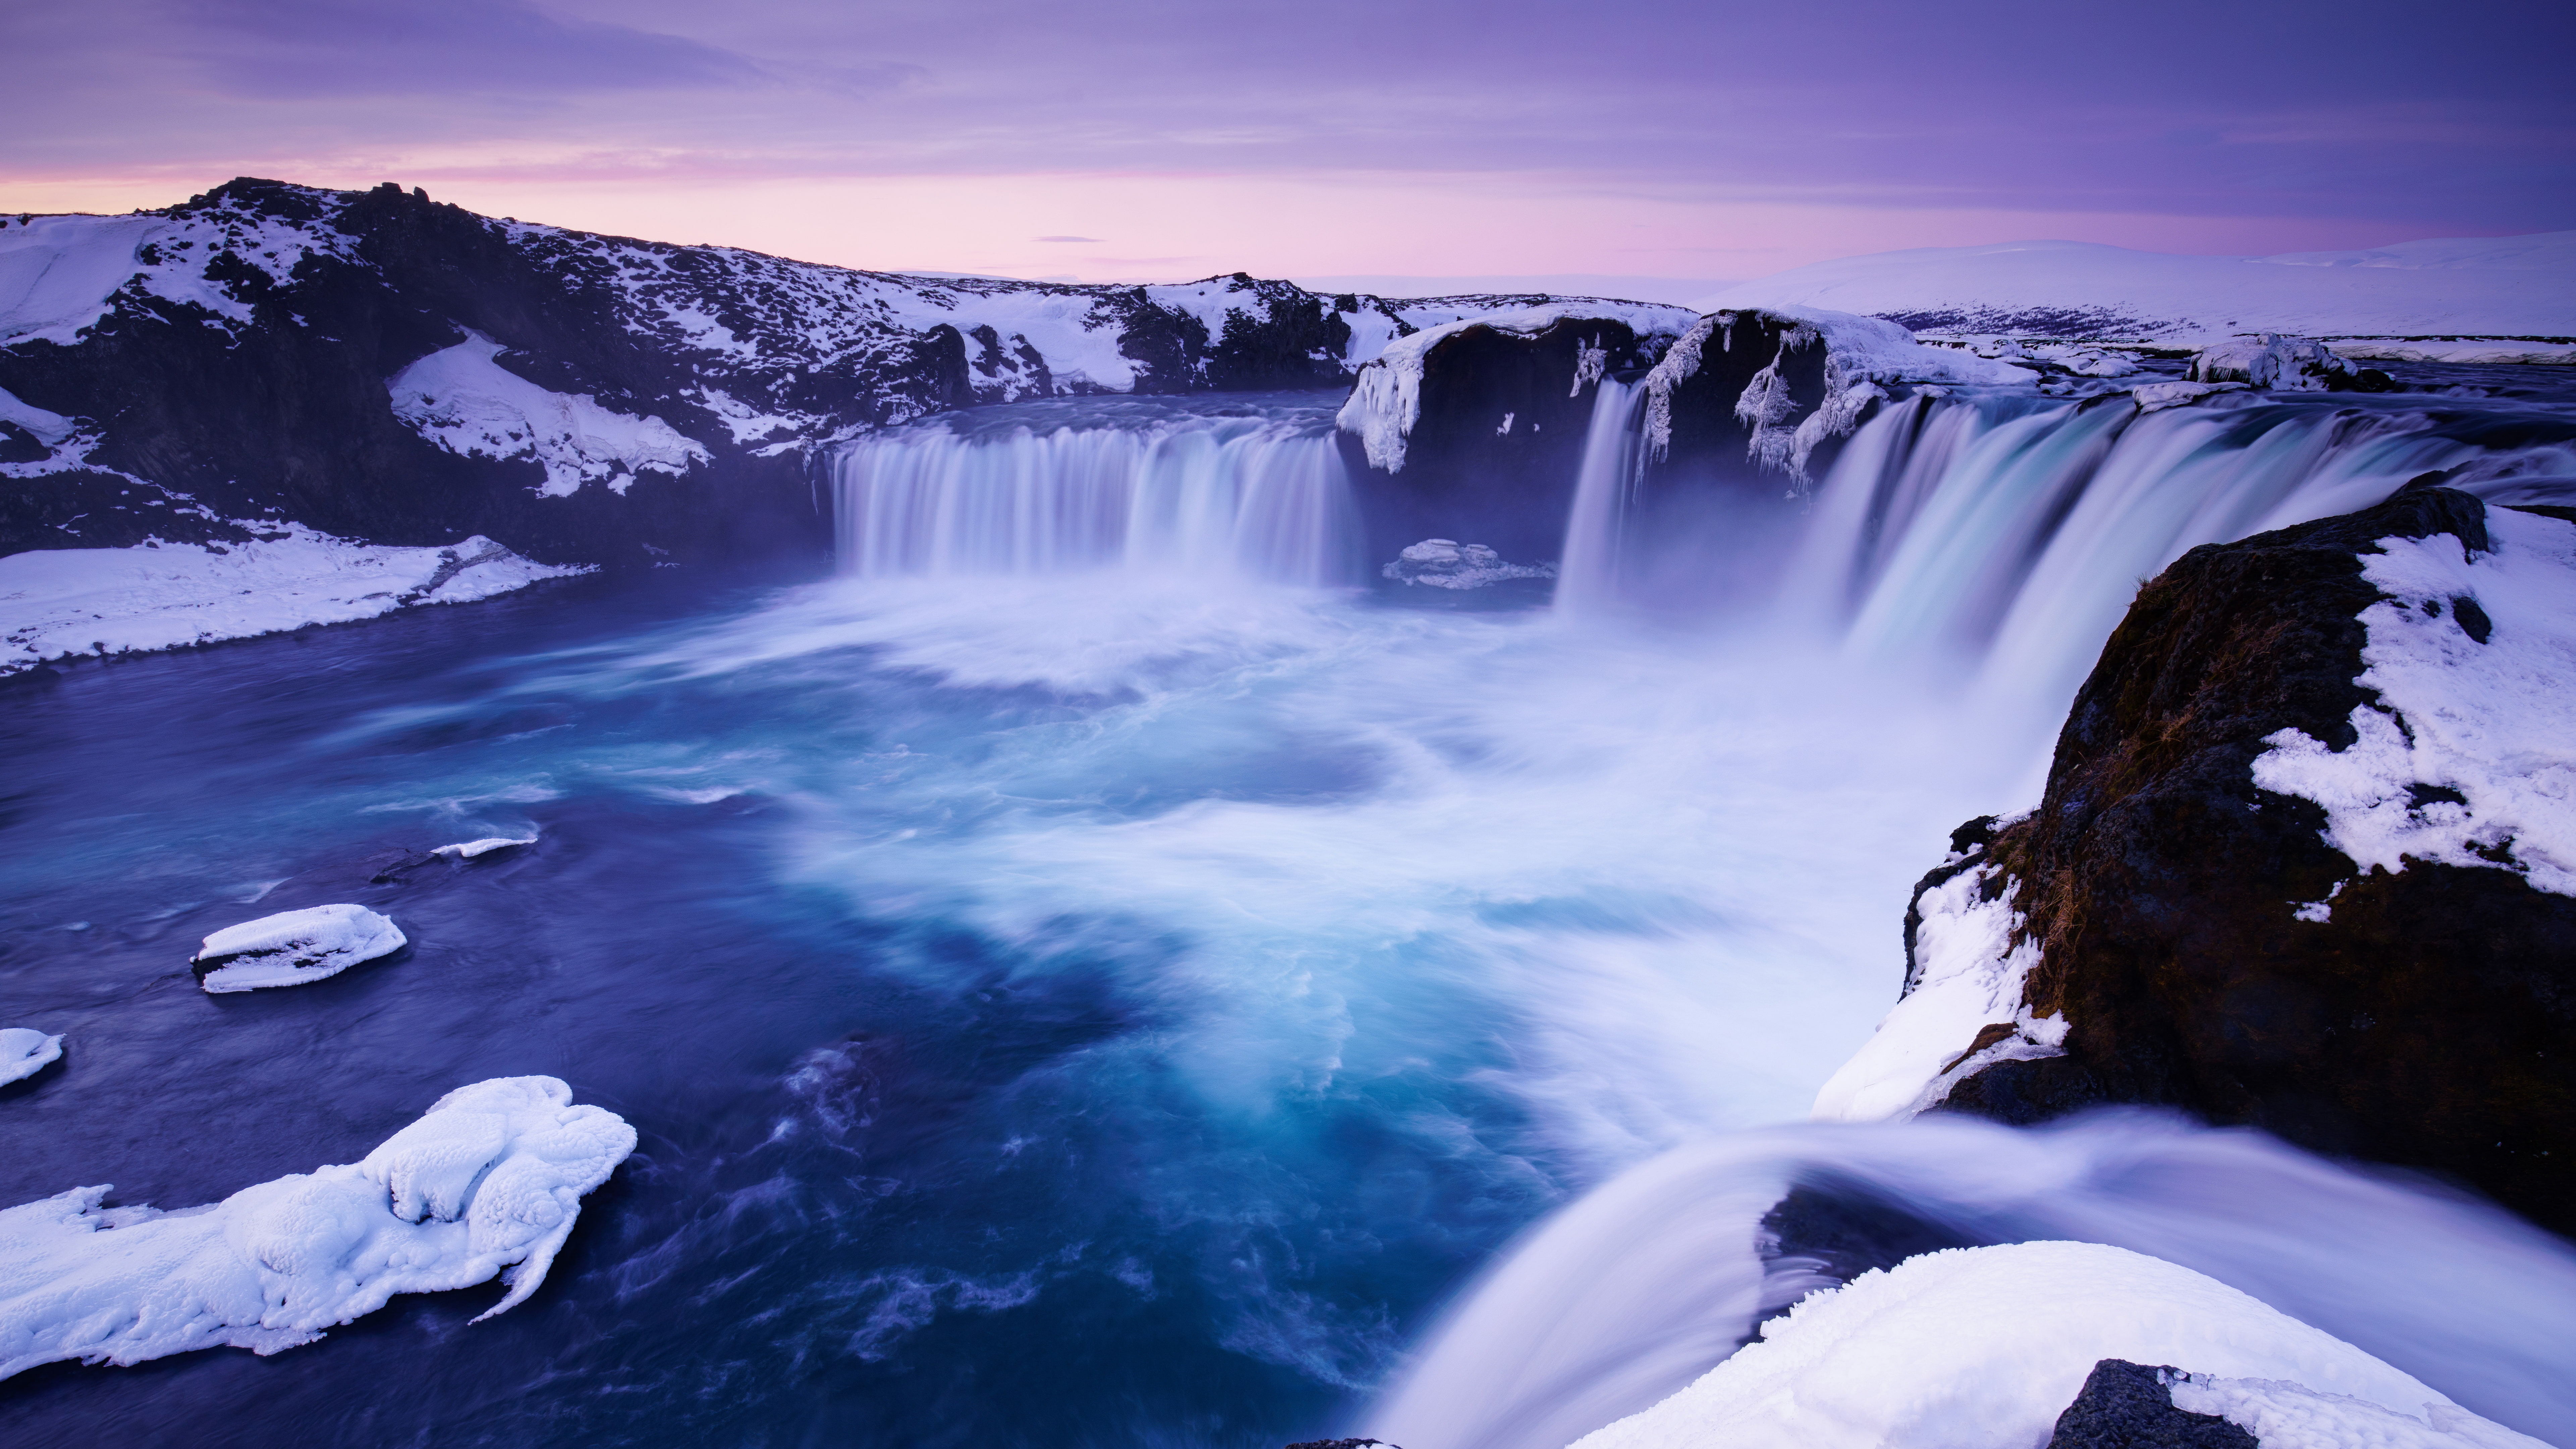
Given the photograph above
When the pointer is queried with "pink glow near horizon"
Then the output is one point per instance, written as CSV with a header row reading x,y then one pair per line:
x,y
1161,227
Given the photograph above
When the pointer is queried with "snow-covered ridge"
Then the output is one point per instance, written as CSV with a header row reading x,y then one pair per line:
x,y
1386,397
60,602
489,1181
2521,287
2468,757
59,275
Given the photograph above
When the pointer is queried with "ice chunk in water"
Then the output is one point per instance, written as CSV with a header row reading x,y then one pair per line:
x,y
25,1051
489,1181
293,948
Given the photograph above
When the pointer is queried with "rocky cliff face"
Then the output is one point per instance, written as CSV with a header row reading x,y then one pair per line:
x,y
2304,859
382,367
1475,430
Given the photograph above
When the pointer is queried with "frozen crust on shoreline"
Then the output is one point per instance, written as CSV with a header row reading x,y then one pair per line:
x,y
489,1181
59,602
294,948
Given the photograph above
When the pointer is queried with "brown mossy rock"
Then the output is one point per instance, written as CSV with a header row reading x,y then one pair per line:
x,y
2430,1022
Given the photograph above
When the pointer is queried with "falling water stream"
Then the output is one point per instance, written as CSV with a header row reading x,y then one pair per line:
x,y
1092,972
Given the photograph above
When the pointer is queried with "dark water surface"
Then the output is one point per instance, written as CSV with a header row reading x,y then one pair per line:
x,y
1077,1016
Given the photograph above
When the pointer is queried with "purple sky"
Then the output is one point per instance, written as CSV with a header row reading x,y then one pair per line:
x,y
1711,140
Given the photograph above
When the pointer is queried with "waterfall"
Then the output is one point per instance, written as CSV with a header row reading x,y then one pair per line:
x,y
1604,489
1246,488
1646,1282
1999,536
2011,535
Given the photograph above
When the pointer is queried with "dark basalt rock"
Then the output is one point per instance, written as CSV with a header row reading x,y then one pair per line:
x,y
2130,1406
1703,442
2429,1023
1494,453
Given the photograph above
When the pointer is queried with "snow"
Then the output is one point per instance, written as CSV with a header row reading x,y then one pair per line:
x,y
2283,1415
1386,397
294,948
2268,359
465,402
60,602
1447,564
2155,397
2457,350
2493,723
51,429
58,273
489,1181
1987,1346
25,1051
2498,287
1968,976
1861,354
468,849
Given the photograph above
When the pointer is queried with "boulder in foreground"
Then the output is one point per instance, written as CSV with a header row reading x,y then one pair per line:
x,y
2306,861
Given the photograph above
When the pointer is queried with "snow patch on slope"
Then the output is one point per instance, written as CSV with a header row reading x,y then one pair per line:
x,y
55,603
465,402
489,1181
1989,1346
2468,758
1968,978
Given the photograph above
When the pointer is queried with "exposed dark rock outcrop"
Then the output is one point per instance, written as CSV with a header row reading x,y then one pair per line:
x,y
2209,949
2130,1406
1476,430
232,360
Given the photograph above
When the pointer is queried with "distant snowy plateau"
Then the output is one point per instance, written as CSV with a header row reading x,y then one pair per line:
x,y
2478,299
274,405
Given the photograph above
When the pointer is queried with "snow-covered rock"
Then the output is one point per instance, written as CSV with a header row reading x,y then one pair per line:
x,y
2518,287
59,602
1962,1009
2268,359
2467,755
2155,397
489,1181
294,948
1774,385
468,849
2352,740
1986,1346
25,1051
1445,564
1386,397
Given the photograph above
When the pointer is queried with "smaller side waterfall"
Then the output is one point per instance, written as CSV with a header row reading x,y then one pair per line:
x,y
1258,491
1605,492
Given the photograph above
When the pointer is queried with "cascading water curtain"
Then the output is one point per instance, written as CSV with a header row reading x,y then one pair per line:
x,y
2012,533
1226,495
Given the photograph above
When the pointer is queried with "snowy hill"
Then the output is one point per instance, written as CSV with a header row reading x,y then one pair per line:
x,y
2520,287
382,368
